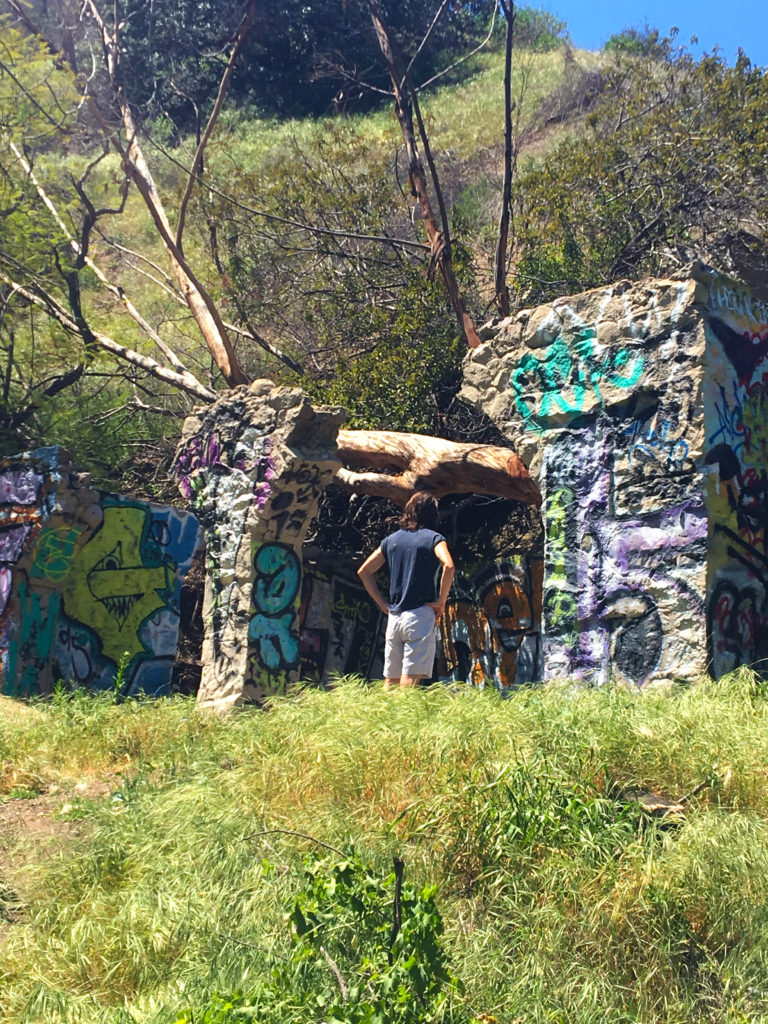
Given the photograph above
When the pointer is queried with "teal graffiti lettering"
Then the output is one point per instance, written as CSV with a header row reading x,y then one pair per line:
x,y
272,627
30,649
567,372
277,578
277,646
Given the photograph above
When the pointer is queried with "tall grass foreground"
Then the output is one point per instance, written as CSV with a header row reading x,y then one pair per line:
x,y
207,870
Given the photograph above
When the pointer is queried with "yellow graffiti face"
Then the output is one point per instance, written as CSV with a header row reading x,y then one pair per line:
x,y
110,589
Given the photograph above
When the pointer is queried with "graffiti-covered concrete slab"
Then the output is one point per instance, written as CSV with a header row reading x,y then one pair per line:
x,y
736,418
641,410
491,630
88,580
253,466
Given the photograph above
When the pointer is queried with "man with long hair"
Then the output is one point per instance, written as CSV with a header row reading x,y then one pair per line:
x,y
413,554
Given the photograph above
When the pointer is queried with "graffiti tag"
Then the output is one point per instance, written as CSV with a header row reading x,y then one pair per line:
x,y
273,629
568,373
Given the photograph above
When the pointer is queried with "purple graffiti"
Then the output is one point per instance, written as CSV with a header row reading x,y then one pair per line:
x,y
6,581
12,541
202,456
20,487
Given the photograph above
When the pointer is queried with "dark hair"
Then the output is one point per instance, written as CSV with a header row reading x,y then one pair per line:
x,y
420,512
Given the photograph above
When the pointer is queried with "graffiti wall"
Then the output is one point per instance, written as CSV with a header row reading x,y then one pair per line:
x,y
602,395
253,466
89,581
491,631
341,629
736,416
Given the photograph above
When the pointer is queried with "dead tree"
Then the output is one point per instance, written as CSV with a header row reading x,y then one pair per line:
x,y
500,262
406,104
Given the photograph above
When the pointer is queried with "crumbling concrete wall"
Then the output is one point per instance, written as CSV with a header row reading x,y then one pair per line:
x,y
253,466
611,398
736,423
88,580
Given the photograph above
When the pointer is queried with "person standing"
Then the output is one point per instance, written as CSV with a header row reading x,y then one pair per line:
x,y
414,555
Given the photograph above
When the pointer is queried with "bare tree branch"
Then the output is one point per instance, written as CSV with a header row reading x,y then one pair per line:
x,y
423,42
80,250
186,381
195,295
437,237
500,259
245,26
462,60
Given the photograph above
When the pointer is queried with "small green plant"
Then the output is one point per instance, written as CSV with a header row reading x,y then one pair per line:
x,y
22,793
365,950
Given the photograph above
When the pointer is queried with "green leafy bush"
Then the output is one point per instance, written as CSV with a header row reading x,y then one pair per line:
x,y
365,950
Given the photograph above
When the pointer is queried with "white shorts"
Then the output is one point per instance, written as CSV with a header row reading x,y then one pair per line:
x,y
410,643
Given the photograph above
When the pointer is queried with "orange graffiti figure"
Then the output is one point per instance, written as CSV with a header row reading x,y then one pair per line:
x,y
482,641
462,632
508,611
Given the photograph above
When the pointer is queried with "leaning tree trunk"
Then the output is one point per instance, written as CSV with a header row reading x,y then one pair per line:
x,y
439,237
393,465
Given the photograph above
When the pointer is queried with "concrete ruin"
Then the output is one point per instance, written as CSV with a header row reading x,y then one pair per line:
x,y
89,581
642,411
253,466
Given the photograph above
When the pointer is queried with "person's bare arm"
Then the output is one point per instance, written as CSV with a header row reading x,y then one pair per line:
x,y
446,579
367,572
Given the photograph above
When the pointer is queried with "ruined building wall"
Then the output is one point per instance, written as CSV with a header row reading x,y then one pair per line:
x,y
736,416
641,410
252,466
88,581
611,397
341,629
491,630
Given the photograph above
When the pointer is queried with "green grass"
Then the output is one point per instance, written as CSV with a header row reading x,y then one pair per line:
x,y
463,118
561,901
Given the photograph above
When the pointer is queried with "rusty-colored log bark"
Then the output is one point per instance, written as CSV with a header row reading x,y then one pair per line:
x,y
393,465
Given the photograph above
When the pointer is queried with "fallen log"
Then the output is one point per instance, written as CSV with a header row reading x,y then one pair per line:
x,y
393,465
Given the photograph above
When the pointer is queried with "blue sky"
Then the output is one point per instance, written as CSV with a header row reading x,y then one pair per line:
x,y
729,25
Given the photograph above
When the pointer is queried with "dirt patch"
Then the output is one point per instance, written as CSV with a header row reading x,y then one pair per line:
x,y
35,818
30,832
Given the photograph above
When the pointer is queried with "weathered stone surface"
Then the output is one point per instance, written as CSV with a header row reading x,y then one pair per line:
x,y
253,466
89,580
641,409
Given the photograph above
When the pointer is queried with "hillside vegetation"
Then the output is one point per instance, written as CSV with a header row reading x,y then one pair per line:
x,y
628,162
199,870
